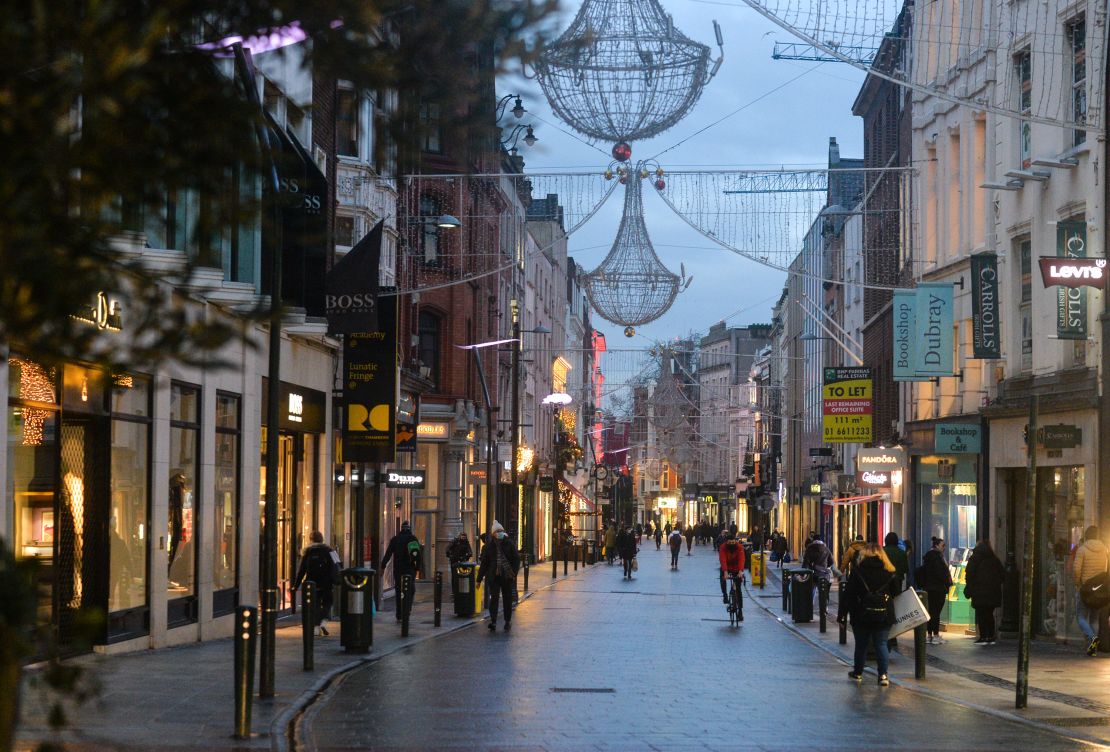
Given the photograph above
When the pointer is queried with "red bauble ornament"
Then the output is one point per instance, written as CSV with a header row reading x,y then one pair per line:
x,y
622,152
660,185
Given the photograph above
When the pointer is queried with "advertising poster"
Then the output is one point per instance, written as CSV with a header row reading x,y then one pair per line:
x,y
847,405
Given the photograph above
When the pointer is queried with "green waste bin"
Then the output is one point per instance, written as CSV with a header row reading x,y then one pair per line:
x,y
462,585
356,609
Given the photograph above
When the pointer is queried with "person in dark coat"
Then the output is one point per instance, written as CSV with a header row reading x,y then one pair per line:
x,y
319,563
935,579
867,596
901,564
780,548
658,537
689,538
984,578
626,547
674,542
499,565
459,550
404,561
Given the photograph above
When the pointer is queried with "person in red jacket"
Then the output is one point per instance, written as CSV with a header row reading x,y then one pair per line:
x,y
731,554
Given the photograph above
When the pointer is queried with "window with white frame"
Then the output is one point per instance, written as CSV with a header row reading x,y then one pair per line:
x,y
1023,69
345,230
347,123
1077,38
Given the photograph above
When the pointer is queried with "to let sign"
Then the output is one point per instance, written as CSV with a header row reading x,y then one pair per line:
x,y
847,406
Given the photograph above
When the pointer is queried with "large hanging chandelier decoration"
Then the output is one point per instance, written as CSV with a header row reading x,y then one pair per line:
x,y
622,71
631,286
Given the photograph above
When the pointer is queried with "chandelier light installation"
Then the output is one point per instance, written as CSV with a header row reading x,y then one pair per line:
x,y
631,286
622,72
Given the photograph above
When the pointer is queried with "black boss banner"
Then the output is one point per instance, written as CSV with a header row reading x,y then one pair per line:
x,y
984,307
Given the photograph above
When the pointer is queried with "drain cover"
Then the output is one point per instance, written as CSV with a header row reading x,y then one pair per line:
x,y
585,690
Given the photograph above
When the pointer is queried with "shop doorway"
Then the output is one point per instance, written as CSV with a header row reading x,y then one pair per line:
x,y
424,528
296,512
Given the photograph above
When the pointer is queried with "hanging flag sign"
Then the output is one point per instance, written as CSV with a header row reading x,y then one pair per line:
x,y
905,334
933,312
847,406
985,342
1071,302
1085,272
369,398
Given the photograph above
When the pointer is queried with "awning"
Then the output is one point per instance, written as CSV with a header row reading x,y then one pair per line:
x,y
855,500
589,504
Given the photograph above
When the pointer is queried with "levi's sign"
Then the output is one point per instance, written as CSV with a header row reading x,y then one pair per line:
x,y
1073,272
405,478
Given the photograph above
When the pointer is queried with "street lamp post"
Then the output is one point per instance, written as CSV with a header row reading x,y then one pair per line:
x,y
517,336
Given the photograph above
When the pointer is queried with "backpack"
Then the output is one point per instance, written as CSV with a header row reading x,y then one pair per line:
x,y
413,548
321,566
875,605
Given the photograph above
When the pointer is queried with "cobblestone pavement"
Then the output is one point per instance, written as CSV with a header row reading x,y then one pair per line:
x,y
598,662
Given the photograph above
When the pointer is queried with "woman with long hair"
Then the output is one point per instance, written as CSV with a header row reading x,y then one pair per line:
x,y
868,596
935,579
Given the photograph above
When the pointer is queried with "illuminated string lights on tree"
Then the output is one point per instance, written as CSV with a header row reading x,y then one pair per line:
x,y
622,72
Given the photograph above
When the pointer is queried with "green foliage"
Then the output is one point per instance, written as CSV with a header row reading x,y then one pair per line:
x,y
109,106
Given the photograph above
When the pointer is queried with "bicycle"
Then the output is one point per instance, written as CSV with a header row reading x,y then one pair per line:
x,y
735,601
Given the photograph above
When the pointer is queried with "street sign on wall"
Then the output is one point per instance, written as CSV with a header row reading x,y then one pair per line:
x,y
847,406
957,438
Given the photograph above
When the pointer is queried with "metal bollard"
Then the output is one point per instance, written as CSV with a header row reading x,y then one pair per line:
x,y
554,565
525,573
919,651
823,586
437,599
565,562
839,606
308,624
785,590
245,632
407,588
575,559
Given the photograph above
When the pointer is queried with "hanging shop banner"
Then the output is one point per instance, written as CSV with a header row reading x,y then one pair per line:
x,y
1076,272
1071,302
933,313
352,286
369,397
905,304
985,341
847,406
957,438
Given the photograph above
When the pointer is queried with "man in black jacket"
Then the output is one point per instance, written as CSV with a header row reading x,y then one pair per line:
x,y
499,564
320,563
407,555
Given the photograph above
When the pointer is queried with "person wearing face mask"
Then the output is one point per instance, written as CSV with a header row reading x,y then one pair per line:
x,y
499,564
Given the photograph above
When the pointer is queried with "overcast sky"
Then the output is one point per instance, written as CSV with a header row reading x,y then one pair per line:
x,y
790,127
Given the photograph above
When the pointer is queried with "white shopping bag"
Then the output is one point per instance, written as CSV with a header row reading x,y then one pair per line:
x,y
908,612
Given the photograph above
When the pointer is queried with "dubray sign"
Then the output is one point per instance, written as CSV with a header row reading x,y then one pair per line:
x,y
933,311
957,438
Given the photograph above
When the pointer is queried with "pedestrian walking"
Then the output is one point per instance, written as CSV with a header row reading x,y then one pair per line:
x,y
626,547
499,565
407,555
780,548
667,529
819,558
611,543
983,580
722,536
1090,562
689,538
658,537
319,563
901,563
639,530
870,609
459,550
848,558
675,542
934,577
757,539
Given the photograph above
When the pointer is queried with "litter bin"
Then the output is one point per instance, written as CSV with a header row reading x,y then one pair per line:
x,y
356,609
462,585
801,594
591,552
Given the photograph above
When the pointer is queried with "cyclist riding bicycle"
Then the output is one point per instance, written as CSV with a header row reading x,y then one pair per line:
x,y
731,554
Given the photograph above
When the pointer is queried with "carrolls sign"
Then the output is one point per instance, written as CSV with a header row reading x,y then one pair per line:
x,y
405,478
1073,272
1071,258
984,307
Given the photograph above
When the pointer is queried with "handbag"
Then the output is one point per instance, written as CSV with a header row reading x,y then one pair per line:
x,y
635,564
1095,592
908,612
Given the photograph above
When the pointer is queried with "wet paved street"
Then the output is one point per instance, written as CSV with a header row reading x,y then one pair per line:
x,y
597,662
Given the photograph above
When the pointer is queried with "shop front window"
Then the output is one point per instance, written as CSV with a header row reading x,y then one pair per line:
x,y
948,499
1061,504
183,503
225,505
129,514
